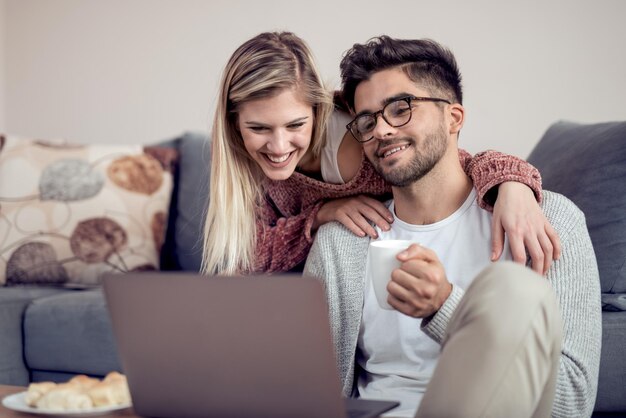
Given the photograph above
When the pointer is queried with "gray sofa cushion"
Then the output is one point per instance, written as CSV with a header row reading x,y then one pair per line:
x,y
70,332
13,303
182,249
612,384
587,163
193,190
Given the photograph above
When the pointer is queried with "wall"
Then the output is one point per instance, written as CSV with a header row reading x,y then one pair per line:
x,y
144,70
2,66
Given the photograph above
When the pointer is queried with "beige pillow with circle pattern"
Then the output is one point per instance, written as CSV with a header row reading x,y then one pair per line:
x,y
71,212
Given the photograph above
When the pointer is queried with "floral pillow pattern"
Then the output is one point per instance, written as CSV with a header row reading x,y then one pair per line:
x,y
71,212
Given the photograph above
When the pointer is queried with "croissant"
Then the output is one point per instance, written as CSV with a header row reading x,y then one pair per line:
x,y
79,393
83,381
65,397
112,392
36,391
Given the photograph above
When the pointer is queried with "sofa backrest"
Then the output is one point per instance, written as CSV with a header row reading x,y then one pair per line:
x,y
587,164
182,249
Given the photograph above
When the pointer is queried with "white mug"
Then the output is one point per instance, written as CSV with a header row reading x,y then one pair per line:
x,y
382,261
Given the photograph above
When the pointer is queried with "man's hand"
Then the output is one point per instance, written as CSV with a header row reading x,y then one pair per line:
x,y
420,286
355,213
517,213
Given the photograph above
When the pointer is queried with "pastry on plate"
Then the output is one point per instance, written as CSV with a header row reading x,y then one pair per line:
x,y
80,393
113,390
36,391
83,381
65,397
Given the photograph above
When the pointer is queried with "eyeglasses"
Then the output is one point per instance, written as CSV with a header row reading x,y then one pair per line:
x,y
396,113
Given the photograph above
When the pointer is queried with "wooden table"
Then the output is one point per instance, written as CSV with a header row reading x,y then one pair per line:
x,y
8,413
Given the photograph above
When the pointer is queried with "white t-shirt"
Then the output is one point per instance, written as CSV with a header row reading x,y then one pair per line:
x,y
397,356
335,132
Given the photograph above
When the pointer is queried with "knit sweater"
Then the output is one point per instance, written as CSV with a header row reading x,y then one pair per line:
x,y
284,222
337,257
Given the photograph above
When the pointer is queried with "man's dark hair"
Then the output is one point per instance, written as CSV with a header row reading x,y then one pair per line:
x,y
423,60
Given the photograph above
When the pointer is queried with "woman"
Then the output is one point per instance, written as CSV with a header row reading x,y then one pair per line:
x,y
283,164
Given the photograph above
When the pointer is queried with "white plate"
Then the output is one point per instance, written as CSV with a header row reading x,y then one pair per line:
x,y
17,402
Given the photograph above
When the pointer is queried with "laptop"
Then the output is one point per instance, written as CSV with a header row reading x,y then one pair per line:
x,y
196,346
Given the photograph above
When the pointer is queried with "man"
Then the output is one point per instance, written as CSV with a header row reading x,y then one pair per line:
x,y
466,337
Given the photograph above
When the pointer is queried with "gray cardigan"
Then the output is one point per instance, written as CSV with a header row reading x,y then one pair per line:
x,y
338,258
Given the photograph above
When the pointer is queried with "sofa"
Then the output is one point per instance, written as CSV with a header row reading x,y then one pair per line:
x,y
52,333
587,163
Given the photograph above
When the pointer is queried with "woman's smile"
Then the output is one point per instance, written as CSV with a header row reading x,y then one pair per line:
x,y
279,160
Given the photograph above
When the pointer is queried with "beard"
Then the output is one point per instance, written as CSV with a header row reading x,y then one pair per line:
x,y
422,162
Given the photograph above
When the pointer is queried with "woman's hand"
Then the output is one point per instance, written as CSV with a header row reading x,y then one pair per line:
x,y
517,213
355,213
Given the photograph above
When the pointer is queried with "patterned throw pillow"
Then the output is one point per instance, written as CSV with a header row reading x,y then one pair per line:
x,y
70,212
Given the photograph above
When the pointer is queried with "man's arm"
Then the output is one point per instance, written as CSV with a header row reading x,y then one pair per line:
x,y
337,258
575,280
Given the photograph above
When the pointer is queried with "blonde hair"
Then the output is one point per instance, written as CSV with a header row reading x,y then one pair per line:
x,y
262,67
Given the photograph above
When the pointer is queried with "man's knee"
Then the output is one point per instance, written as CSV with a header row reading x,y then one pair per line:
x,y
507,297
507,279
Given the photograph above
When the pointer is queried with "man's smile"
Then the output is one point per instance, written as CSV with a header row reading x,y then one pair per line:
x,y
386,151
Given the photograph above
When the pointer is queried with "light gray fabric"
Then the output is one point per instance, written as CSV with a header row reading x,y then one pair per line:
x,y
70,332
13,303
587,163
338,256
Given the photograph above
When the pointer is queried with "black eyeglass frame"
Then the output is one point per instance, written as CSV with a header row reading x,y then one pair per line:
x,y
381,112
